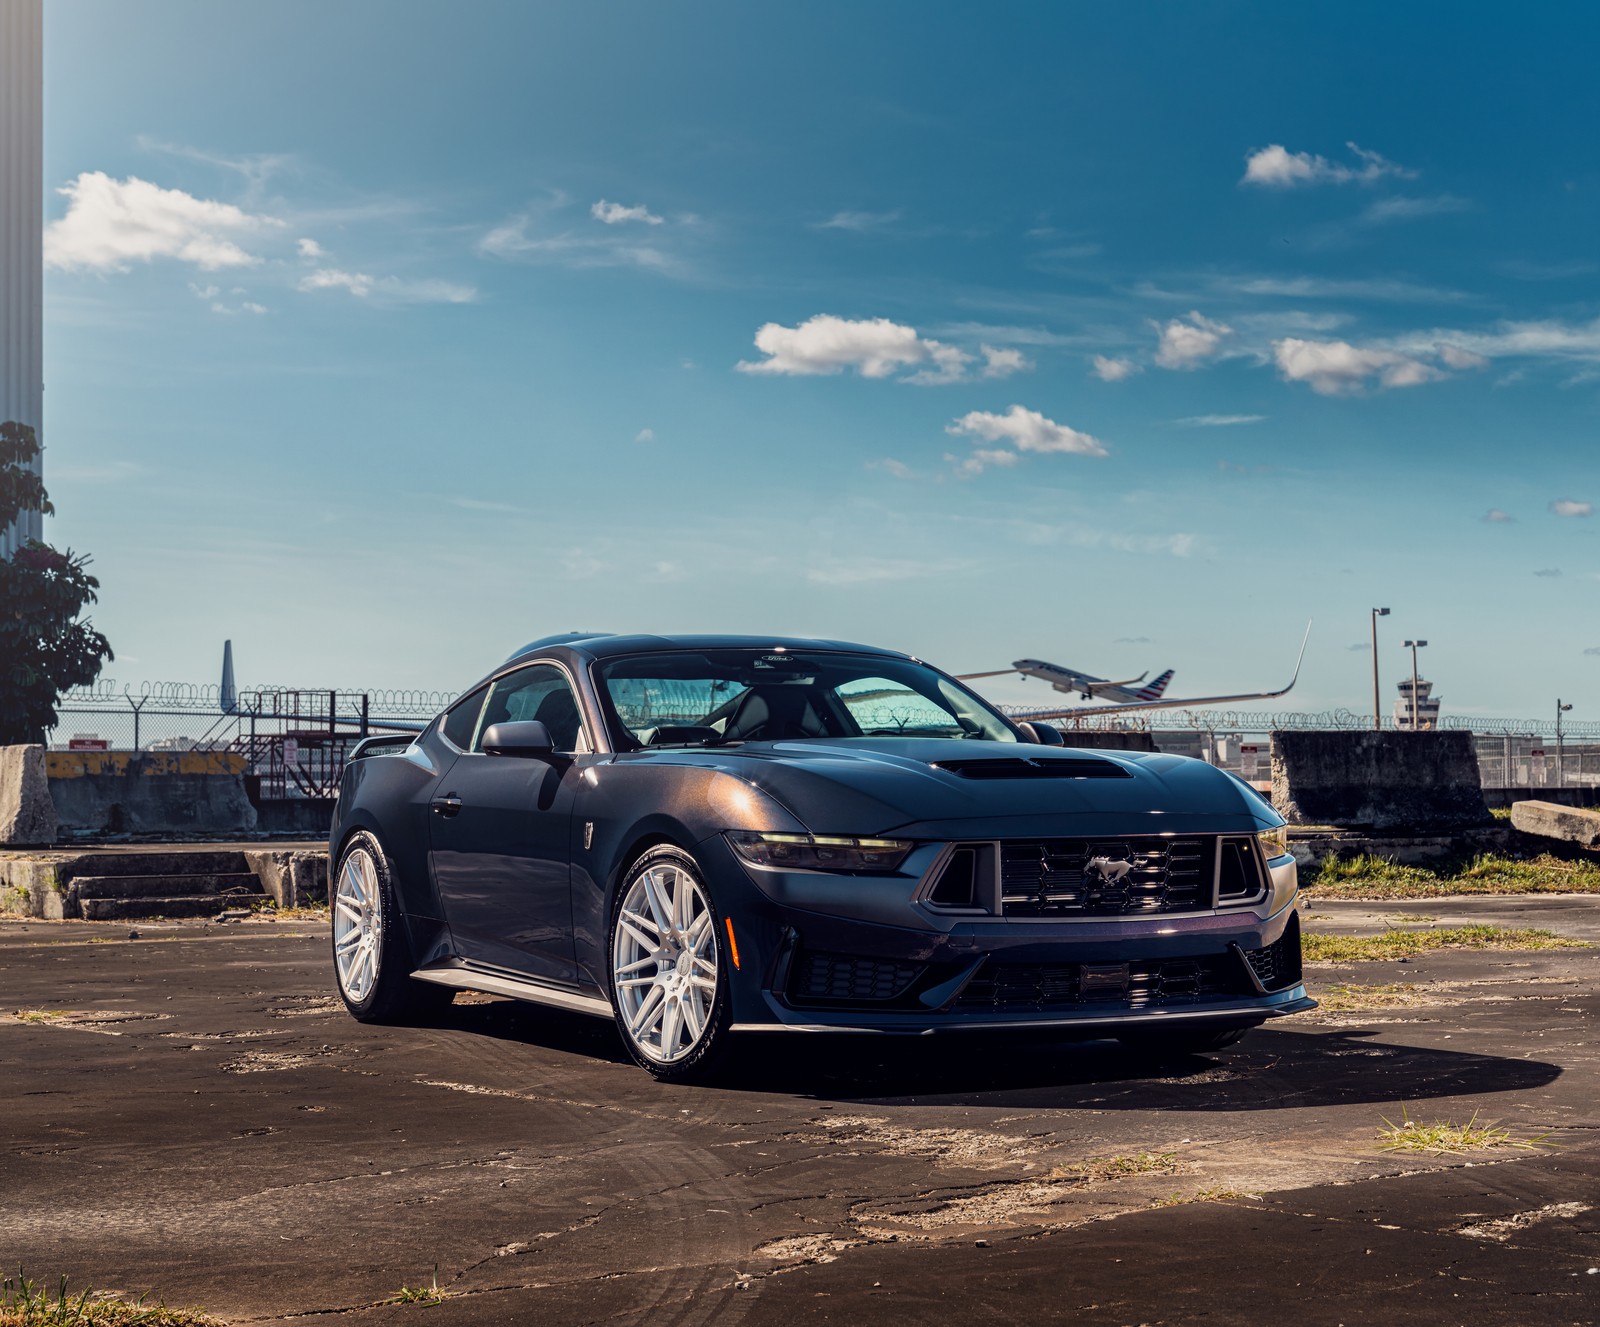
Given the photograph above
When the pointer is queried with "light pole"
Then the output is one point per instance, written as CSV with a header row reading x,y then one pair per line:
x,y
1561,763
1377,717
1416,706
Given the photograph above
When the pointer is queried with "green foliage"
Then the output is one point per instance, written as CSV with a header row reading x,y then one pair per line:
x,y
45,647
25,1303
1368,877
1320,948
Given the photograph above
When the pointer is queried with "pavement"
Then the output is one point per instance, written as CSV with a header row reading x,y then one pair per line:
x,y
196,1116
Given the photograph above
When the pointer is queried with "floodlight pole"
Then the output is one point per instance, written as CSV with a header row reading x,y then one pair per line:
x,y
1561,763
1416,705
1377,717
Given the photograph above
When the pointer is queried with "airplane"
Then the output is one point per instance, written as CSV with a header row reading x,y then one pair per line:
x,y
1066,679
1085,684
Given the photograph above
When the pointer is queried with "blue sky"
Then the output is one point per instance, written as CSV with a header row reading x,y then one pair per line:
x,y
381,339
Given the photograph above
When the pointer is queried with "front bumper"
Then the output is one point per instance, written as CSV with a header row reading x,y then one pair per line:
x,y
824,952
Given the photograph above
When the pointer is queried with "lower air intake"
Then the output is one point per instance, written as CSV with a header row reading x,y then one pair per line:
x,y
849,979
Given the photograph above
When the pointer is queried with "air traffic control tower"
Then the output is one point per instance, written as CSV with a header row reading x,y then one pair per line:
x,y
22,231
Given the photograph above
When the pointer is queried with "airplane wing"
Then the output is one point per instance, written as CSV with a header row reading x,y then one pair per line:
x,y
1094,688
970,677
1188,702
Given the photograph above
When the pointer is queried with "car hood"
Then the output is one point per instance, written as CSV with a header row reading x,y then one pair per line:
x,y
929,787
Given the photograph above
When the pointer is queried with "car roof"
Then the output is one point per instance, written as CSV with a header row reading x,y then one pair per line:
x,y
602,645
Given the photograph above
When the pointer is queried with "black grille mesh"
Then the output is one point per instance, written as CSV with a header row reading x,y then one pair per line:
x,y
850,977
1277,967
1172,981
1105,877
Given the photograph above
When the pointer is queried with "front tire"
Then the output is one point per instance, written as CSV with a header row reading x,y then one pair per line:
x,y
371,960
669,985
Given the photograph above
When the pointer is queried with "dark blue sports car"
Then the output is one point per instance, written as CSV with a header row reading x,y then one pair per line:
x,y
702,836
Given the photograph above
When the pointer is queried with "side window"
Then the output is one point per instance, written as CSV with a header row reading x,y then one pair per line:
x,y
884,707
540,692
462,720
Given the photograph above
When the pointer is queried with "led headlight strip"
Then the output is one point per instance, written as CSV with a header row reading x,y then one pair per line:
x,y
819,852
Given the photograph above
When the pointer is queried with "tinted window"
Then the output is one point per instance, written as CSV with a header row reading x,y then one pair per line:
x,y
540,692
462,719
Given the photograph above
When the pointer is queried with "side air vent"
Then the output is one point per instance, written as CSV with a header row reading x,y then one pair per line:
x,y
1239,875
1041,767
958,884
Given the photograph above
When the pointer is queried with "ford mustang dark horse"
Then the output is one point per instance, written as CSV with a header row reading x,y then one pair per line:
x,y
704,836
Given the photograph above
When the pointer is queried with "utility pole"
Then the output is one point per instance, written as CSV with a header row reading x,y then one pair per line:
x,y
1377,714
1416,706
1561,763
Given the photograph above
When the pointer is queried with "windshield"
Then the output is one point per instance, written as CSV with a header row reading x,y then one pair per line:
x,y
718,697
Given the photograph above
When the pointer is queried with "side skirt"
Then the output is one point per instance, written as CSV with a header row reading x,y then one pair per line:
x,y
463,978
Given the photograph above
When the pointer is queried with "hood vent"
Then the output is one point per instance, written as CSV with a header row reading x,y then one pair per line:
x,y
1040,767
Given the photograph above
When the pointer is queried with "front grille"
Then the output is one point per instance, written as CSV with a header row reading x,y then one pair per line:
x,y
1106,877
1277,967
849,978
1043,986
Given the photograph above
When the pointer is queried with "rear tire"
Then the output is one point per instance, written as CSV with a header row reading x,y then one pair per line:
x,y
1168,1042
371,960
669,983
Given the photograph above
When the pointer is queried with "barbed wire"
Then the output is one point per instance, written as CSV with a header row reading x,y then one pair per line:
x,y
1263,721
266,699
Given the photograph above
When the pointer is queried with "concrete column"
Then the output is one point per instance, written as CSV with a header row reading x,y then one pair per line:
x,y
22,231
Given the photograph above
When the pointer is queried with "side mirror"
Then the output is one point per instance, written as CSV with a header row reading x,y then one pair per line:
x,y
526,737
1044,734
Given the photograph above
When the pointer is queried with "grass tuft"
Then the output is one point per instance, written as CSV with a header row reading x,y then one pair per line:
x,y
1220,1194
1441,1138
1320,948
1368,877
424,1295
1119,1167
1356,999
26,1303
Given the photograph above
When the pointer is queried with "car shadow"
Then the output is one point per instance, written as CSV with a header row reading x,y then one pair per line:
x,y
1268,1070
1273,1067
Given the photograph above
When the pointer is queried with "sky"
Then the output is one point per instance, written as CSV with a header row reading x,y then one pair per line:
x,y
384,337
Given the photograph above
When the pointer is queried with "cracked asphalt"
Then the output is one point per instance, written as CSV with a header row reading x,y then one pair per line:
x,y
192,1113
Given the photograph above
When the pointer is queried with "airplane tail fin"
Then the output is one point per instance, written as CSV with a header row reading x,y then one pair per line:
x,y
1154,690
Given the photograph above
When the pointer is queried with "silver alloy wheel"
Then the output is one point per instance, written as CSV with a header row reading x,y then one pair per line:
x,y
357,925
664,963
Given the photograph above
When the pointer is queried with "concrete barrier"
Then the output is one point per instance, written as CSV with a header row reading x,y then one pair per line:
x,y
1548,820
1382,781
27,814
150,792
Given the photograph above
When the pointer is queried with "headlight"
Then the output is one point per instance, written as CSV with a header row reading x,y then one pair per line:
x,y
1274,842
819,852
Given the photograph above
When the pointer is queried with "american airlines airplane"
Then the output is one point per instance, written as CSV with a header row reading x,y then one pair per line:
x,y
1127,695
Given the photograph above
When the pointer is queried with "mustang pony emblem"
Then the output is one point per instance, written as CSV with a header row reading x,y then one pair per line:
x,y
1109,869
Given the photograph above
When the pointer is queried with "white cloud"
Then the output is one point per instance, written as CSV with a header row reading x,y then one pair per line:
x,y
112,223
1571,507
980,459
858,221
1386,210
515,240
890,466
823,344
387,289
1026,430
1003,362
614,214
1336,368
1549,573
1218,421
1275,167
872,571
949,365
645,435
309,248
1494,516
1108,369
1457,358
1188,344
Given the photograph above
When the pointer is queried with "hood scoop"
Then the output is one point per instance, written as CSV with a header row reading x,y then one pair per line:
x,y
1042,767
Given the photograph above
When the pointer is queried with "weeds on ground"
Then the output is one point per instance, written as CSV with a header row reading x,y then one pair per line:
x,y
1358,999
1441,1138
1119,1167
1367,877
39,1015
1319,948
432,1293
1218,1195
25,1303
269,910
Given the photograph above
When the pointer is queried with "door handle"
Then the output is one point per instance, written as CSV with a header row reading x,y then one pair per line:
x,y
445,806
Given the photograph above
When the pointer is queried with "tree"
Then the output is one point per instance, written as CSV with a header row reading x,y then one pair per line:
x,y
45,647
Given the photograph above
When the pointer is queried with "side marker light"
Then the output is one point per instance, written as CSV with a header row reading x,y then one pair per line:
x,y
733,945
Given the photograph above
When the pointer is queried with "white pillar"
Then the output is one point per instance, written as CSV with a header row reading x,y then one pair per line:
x,y
22,231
